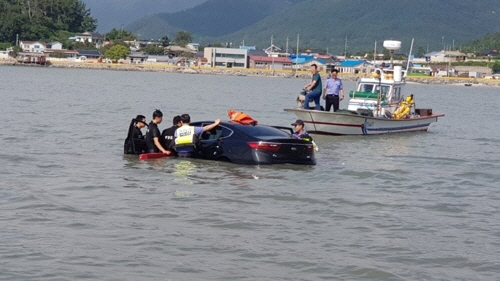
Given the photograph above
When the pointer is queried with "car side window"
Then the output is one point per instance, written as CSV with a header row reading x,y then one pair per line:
x,y
216,133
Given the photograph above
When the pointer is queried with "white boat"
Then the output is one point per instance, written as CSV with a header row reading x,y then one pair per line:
x,y
374,108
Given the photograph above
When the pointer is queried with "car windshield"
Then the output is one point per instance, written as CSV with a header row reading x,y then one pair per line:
x,y
262,131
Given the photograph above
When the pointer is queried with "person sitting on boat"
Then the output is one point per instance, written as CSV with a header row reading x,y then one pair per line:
x,y
314,88
186,137
167,136
404,108
153,136
333,92
135,143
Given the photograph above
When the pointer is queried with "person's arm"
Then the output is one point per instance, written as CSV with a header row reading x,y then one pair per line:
x,y
325,89
211,126
156,140
341,91
312,84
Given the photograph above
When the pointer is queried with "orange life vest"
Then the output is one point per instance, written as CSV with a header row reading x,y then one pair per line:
x,y
241,117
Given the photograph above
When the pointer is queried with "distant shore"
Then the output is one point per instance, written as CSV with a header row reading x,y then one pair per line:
x,y
158,67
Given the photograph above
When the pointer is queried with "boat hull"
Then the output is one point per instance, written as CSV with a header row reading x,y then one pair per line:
x,y
336,123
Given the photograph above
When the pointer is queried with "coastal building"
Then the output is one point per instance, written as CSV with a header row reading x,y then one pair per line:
x,y
178,51
488,53
32,46
445,56
271,63
472,71
160,59
4,54
89,37
61,54
89,55
226,57
31,57
304,61
250,48
137,57
355,66
193,46
55,45
443,70
138,44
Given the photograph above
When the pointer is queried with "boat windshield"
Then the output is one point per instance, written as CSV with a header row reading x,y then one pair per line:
x,y
385,89
367,87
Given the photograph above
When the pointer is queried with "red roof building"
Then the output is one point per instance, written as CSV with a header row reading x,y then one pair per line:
x,y
271,63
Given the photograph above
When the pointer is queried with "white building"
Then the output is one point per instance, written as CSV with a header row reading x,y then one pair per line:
x,y
445,56
4,54
33,46
55,45
89,37
226,57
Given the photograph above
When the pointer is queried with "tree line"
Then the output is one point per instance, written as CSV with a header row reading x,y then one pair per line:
x,y
43,19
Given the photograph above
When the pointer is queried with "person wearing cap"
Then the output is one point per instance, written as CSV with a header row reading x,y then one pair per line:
x,y
135,143
299,131
333,92
153,135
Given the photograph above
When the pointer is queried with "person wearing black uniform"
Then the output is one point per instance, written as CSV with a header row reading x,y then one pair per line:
x,y
153,136
135,143
167,136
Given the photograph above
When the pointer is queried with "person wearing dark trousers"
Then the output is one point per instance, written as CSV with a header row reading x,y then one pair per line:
x,y
333,92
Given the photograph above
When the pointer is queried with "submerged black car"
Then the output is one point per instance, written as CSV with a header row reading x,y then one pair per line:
x,y
253,144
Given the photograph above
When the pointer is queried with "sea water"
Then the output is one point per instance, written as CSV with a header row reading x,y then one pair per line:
x,y
411,206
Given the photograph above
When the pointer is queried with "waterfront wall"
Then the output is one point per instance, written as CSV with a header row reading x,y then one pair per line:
x,y
158,67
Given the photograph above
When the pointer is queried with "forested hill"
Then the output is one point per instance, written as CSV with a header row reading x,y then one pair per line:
x,y
490,41
212,18
326,23
43,19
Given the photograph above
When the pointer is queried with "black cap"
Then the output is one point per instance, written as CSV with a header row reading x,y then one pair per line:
x,y
298,122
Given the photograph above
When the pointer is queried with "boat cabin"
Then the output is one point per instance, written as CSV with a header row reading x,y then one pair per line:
x,y
384,88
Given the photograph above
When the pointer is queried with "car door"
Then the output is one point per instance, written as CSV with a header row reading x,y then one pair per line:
x,y
211,142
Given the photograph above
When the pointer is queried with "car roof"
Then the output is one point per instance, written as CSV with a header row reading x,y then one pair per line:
x,y
247,128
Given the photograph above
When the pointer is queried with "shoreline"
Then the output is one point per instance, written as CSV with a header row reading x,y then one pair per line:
x,y
158,67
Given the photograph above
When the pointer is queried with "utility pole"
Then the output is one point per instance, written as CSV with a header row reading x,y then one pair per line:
x,y
345,48
17,39
297,57
272,54
287,46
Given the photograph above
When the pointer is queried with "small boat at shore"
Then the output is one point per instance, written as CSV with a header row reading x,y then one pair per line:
x,y
377,106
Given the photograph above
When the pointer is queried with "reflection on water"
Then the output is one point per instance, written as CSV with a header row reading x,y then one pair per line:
x,y
183,170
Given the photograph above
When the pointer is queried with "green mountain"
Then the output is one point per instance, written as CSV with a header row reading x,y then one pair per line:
x,y
327,23
115,13
213,18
